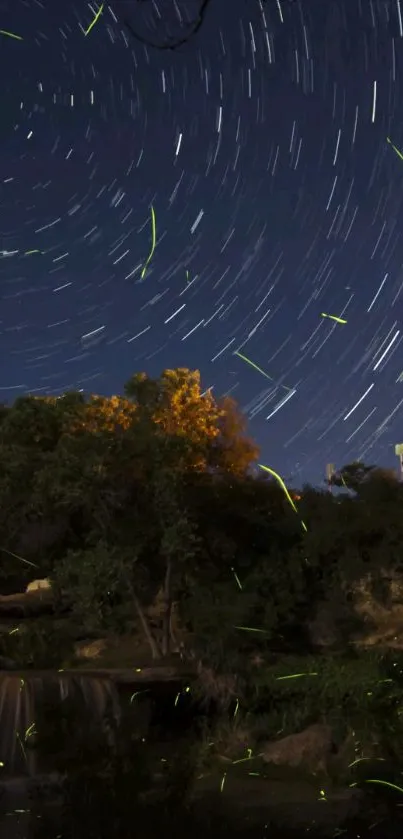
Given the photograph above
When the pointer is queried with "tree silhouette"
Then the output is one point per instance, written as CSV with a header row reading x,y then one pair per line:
x,y
351,476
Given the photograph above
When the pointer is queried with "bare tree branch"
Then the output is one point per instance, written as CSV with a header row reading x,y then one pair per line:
x,y
172,43
175,43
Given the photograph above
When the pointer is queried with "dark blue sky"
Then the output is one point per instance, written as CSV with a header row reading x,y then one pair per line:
x,y
262,147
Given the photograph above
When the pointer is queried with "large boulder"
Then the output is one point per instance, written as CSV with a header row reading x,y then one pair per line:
x,y
383,620
90,650
369,620
308,750
35,600
38,585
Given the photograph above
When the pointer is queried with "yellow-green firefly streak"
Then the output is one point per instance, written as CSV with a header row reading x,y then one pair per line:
x,y
93,22
30,730
399,154
283,487
361,759
11,35
28,253
237,578
294,676
252,364
244,759
22,747
384,784
152,245
256,367
137,693
333,317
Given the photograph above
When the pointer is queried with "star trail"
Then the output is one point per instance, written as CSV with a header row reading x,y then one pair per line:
x,y
216,186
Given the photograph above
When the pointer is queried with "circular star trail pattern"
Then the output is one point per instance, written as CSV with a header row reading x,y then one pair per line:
x,y
261,146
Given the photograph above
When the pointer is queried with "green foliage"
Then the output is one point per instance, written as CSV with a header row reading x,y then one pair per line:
x,y
351,693
95,584
129,500
39,644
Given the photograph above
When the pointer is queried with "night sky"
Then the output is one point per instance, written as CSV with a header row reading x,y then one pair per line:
x,y
261,147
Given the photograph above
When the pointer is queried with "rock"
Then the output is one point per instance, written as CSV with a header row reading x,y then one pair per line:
x,y
35,600
373,621
309,749
38,585
90,649
384,620
26,604
7,663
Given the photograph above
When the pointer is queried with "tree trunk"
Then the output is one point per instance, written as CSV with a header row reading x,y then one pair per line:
x,y
154,646
166,626
174,640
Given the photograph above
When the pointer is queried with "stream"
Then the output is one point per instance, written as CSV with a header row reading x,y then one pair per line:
x,y
159,720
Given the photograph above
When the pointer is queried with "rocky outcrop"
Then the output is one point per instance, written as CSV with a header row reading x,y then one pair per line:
x,y
308,750
383,620
90,650
35,601
38,585
372,621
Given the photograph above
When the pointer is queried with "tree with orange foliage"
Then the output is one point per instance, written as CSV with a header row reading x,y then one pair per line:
x,y
214,429
87,478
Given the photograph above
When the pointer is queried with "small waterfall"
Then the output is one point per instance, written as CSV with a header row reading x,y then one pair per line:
x,y
22,694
